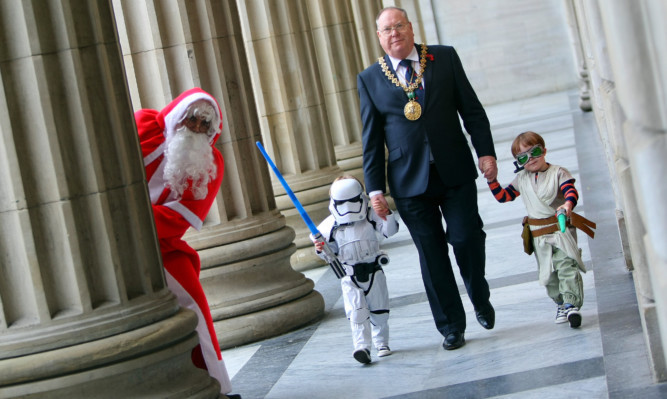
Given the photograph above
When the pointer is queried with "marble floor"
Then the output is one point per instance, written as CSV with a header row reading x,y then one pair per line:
x,y
526,355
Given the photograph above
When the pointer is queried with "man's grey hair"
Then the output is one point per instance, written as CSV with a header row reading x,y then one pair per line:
x,y
377,19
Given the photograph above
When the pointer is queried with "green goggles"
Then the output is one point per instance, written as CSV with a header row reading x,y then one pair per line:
x,y
522,158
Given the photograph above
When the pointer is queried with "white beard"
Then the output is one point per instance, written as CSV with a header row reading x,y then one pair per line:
x,y
189,159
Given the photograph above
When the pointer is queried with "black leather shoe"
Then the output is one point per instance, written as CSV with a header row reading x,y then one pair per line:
x,y
454,340
486,317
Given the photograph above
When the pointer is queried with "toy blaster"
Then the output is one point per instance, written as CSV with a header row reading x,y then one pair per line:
x,y
335,264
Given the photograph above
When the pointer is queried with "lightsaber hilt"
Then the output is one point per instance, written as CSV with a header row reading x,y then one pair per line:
x,y
335,264
562,220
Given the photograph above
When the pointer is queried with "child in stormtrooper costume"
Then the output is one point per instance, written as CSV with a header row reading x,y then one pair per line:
x,y
352,231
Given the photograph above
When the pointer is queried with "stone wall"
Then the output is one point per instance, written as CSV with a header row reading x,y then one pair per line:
x,y
510,50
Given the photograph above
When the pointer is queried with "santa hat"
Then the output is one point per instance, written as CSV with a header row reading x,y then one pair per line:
x,y
173,113
155,127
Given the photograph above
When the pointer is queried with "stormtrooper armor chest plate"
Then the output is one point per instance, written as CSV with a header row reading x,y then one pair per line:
x,y
357,243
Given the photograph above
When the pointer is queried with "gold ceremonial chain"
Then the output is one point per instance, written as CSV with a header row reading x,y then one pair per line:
x,y
412,109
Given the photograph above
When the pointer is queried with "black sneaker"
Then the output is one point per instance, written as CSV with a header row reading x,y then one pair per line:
x,y
362,356
573,316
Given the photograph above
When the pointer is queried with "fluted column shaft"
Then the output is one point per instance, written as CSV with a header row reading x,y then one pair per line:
x,y
422,16
364,13
610,120
626,136
245,245
635,31
579,57
337,52
83,302
292,113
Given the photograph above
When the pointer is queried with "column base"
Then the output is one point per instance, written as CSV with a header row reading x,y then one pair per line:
x,y
271,322
253,291
151,362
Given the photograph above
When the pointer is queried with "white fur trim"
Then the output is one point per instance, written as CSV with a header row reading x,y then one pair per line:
x,y
216,367
156,184
186,213
155,154
173,117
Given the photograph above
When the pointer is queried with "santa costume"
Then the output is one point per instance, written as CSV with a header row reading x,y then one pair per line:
x,y
175,211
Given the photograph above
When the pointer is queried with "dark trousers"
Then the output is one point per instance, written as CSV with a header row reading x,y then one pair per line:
x,y
423,216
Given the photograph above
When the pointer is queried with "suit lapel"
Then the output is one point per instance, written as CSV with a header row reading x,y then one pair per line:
x,y
426,77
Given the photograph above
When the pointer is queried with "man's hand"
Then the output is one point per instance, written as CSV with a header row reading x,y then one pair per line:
x,y
488,166
380,206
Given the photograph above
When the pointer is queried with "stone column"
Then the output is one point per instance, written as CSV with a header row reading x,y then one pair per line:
x,y
364,13
84,310
610,119
635,31
245,245
337,52
290,101
579,59
422,16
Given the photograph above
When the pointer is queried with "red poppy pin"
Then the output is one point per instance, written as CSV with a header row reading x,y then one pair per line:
x,y
429,57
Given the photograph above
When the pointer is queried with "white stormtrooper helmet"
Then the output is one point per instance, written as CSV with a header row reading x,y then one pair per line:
x,y
348,202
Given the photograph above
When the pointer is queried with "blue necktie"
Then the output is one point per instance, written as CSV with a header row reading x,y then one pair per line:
x,y
410,77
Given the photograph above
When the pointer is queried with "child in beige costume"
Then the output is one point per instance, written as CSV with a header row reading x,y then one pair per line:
x,y
547,190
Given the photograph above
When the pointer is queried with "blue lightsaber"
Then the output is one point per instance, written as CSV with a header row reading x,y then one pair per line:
x,y
338,269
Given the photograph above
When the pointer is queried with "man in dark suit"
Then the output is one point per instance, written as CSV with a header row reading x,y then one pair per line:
x,y
429,168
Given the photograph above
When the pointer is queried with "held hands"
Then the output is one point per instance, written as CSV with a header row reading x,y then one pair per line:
x,y
380,206
488,167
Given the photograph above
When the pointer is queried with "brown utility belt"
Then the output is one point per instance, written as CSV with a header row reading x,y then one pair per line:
x,y
551,224
575,220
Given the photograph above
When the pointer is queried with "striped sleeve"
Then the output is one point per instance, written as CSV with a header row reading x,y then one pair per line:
x,y
506,194
570,192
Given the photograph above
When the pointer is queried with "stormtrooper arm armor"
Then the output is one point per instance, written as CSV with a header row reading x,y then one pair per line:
x,y
387,227
325,228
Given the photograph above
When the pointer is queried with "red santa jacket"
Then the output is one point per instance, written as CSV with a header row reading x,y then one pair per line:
x,y
173,216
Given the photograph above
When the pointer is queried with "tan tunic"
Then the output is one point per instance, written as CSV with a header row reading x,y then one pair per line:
x,y
539,197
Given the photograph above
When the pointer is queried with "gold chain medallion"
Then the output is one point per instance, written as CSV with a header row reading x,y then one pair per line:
x,y
412,110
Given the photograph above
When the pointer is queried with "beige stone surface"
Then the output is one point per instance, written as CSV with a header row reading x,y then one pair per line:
x,y
244,246
629,98
84,310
